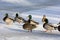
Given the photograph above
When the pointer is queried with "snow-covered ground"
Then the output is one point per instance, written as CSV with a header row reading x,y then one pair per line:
x,y
16,32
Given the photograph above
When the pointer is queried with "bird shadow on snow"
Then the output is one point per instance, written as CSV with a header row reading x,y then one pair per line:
x,y
36,33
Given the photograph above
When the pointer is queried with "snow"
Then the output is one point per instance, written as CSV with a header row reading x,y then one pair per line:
x,y
13,32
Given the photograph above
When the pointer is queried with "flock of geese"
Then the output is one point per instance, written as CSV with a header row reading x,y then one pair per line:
x,y
28,26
